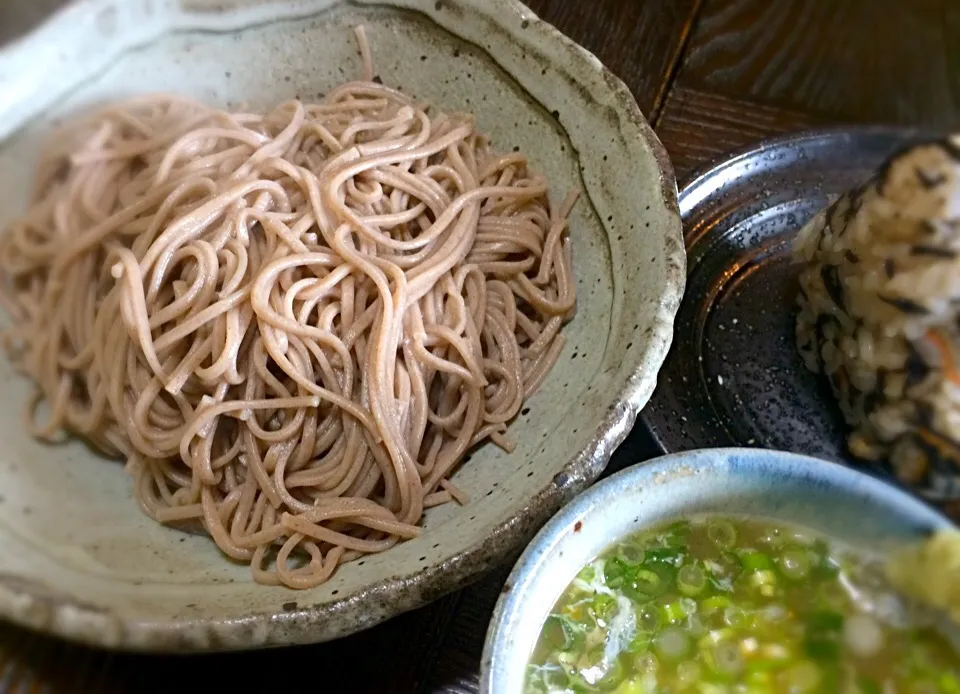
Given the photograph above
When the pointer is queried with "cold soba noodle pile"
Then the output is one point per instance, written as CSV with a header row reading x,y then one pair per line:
x,y
292,326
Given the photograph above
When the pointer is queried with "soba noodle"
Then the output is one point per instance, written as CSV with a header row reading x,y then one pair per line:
x,y
292,326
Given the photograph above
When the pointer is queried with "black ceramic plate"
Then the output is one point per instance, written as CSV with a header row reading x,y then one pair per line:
x,y
733,376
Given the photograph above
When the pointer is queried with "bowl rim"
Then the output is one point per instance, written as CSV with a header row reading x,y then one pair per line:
x,y
707,171
664,470
69,618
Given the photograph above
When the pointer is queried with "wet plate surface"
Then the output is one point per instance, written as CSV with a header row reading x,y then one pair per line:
x,y
734,376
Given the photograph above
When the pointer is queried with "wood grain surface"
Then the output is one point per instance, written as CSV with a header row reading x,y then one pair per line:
x,y
641,40
881,61
700,127
712,76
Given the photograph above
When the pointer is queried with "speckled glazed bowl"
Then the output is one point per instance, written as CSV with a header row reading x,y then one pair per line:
x,y
850,506
79,559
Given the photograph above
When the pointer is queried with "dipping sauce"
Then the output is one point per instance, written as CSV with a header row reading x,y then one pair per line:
x,y
730,605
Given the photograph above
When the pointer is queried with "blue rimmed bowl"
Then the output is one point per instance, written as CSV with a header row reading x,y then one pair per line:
x,y
849,506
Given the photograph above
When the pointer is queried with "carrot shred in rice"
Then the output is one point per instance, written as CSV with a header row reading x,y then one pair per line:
x,y
942,346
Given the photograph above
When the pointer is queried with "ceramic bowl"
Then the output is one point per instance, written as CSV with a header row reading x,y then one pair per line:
x,y
79,559
842,503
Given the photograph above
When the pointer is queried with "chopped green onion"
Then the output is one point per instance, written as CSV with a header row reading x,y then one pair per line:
x,y
648,582
634,685
714,637
758,680
825,621
615,572
714,603
774,613
604,606
724,659
727,565
823,629
680,527
695,625
825,566
631,555
587,574
735,617
646,663
775,651
712,688
666,555
796,564
949,684
688,673
691,580
613,676
764,666
822,649
672,644
563,633
673,612
773,537
721,585
648,618
765,582
802,677
578,683
756,561
722,534
863,635
640,643
553,677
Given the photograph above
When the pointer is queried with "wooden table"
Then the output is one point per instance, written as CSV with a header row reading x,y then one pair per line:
x,y
712,76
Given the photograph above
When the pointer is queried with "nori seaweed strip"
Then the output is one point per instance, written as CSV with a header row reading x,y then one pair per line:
x,y
948,448
930,182
951,148
929,453
906,305
933,252
873,398
855,202
830,275
915,367
840,382
943,456
904,152
947,460
871,401
925,415
826,227
820,337
851,257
